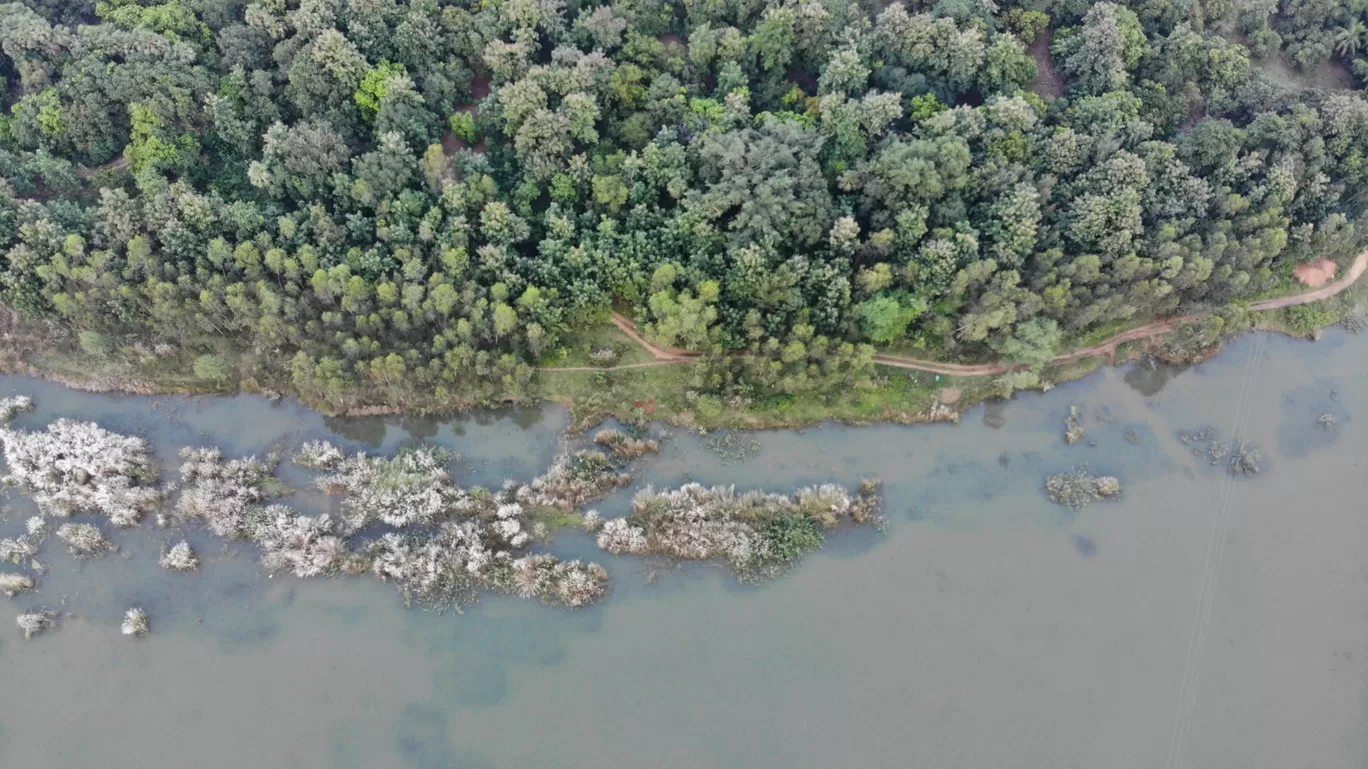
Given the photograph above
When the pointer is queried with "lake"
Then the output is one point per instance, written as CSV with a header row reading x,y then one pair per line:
x,y
1201,620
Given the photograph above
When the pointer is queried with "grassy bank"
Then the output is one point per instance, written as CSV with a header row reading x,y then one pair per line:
x,y
592,374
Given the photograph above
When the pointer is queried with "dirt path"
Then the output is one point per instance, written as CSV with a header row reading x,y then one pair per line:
x,y
1324,292
672,356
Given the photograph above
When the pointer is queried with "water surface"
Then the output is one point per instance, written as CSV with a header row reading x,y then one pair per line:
x,y
1201,620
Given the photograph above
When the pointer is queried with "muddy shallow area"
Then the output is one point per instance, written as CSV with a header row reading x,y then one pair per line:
x,y
1200,619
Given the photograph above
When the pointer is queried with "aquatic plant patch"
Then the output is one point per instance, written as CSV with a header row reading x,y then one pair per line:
x,y
757,534
74,468
403,518
1079,488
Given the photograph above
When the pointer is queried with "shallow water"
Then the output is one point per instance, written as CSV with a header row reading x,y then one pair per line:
x,y
1201,620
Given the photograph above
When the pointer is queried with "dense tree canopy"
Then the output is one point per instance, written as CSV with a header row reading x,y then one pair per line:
x,y
369,195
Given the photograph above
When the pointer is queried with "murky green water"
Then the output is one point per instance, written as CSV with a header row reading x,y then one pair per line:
x,y
1200,621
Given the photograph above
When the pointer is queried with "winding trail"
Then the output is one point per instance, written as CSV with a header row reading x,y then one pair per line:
x,y
671,356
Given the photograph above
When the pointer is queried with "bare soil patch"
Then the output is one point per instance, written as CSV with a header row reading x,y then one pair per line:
x,y
1318,273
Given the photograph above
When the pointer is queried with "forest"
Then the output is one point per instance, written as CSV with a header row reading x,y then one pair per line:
x,y
370,201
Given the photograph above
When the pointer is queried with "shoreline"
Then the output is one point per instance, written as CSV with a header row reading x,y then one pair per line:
x,y
908,390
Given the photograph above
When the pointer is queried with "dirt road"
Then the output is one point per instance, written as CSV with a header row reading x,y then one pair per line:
x,y
672,356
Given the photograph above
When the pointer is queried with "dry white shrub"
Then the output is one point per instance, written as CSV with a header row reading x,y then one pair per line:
x,y
79,467
13,405
619,537
83,539
221,492
571,481
411,488
592,521
179,557
17,549
755,532
34,623
12,584
303,545
135,623
319,455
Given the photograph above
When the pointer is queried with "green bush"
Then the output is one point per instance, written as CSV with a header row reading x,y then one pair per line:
x,y
95,343
213,368
1306,318
792,536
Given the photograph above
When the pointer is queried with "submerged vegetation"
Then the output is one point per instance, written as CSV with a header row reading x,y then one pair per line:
x,y
403,518
1073,425
1079,488
1241,457
755,533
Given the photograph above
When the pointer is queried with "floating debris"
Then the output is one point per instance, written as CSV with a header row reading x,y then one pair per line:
x,y
79,467
1078,488
84,540
619,537
625,446
179,557
756,533
12,584
35,623
1131,435
135,623
445,544
1326,421
1073,425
